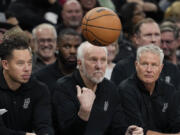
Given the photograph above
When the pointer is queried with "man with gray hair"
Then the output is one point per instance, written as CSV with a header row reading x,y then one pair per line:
x,y
85,103
147,100
146,32
169,40
45,40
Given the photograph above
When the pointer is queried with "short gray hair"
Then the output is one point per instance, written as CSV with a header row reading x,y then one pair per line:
x,y
83,46
42,26
150,48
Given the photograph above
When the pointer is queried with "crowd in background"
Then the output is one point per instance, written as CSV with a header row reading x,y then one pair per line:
x,y
52,30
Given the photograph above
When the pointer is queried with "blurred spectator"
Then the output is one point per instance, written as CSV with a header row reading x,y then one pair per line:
x,y
17,32
88,5
107,3
11,19
130,14
4,4
173,11
67,44
164,4
71,16
112,52
147,31
30,13
3,28
150,8
169,40
61,2
118,4
44,38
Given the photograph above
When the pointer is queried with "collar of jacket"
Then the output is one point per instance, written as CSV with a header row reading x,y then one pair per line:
x,y
142,88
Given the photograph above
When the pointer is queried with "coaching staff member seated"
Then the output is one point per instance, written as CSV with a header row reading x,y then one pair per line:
x,y
147,100
24,102
85,102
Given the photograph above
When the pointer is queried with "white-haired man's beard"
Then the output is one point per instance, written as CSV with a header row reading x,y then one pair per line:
x,y
93,77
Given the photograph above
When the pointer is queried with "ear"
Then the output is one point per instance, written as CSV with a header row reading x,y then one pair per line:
x,y
79,63
4,64
135,39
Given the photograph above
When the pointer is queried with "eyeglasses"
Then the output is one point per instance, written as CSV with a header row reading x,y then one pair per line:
x,y
167,42
48,40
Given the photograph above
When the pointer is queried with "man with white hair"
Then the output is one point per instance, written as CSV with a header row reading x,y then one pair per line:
x,y
85,103
45,40
147,100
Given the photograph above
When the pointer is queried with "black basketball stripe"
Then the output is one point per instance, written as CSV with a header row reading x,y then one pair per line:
x,y
100,16
102,27
97,37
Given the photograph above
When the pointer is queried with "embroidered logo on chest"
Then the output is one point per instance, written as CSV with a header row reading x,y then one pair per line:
x,y
168,79
26,103
106,104
165,106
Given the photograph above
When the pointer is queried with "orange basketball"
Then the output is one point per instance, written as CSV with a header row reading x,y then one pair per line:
x,y
101,26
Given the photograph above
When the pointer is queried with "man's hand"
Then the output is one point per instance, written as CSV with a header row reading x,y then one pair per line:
x,y
86,98
134,130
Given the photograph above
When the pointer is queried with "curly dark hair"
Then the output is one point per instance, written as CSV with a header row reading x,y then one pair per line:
x,y
10,44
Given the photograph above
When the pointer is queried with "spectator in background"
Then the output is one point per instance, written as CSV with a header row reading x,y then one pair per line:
x,y
164,4
112,52
31,13
11,19
45,38
24,101
3,28
150,7
107,3
173,11
67,44
147,31
169,40
130,14
88,5
71,16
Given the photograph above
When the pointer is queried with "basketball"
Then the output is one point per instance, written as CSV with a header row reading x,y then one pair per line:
x,y
101,26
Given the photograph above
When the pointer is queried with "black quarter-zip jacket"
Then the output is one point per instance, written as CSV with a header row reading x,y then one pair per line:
x,y
126,67
158,112
103,112
28,109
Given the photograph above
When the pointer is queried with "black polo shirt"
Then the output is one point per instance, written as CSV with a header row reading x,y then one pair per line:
x,y
157,112
126,67
104,117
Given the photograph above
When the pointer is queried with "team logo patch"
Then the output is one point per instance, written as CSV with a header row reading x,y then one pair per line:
x,y
106,104
165,106
26,103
